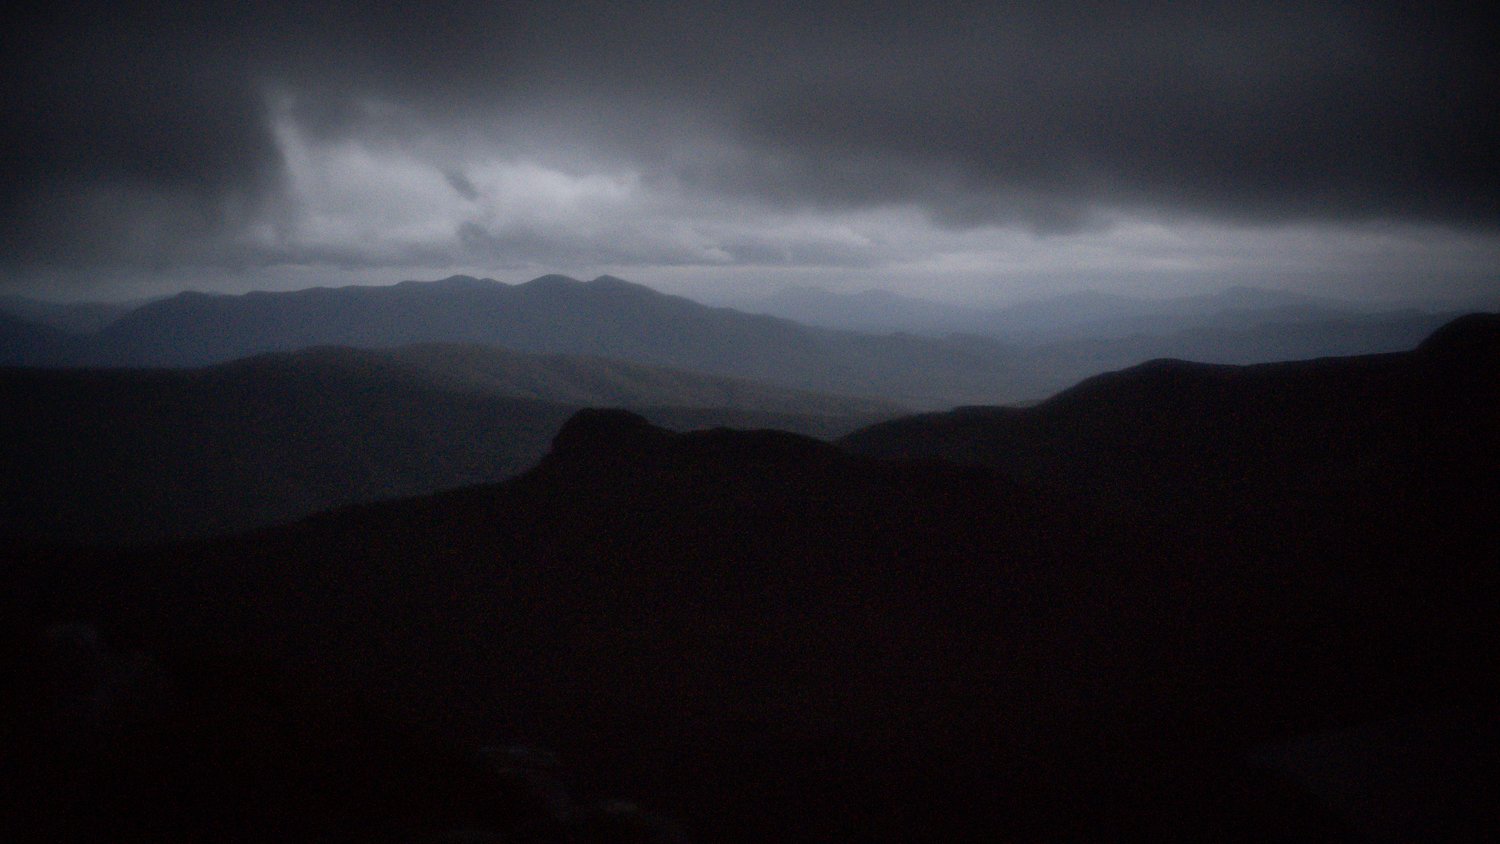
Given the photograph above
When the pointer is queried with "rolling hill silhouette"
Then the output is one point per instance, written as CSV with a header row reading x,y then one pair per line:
x,y
1180,435
768,637
131,455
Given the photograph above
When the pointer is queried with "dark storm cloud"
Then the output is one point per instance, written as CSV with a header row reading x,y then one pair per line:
x,y
122,138
461,185
1292,113
130,130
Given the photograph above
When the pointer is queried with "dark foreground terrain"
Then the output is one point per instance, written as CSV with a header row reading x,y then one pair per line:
x,y
1101,617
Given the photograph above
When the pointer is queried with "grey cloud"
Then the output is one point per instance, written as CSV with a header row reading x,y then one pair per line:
x,y
1249,116
525,244
123,142
132,129
765,250
461,185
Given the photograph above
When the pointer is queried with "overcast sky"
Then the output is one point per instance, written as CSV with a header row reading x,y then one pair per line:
x,y
964,150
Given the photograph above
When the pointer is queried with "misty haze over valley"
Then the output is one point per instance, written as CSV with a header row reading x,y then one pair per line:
x,y
586,422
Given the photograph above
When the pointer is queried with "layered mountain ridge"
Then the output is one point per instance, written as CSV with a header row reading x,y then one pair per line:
x,y
614,318
97,455
766,637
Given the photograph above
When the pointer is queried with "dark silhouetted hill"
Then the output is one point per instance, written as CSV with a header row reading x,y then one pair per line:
x,y
129,455
1179,435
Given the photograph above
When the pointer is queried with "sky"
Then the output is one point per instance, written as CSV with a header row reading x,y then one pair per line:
x,y
957,151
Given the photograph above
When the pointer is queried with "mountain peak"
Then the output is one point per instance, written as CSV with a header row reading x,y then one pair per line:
x,y
551,281
612,281
605,432
1472,335
459,282
615,284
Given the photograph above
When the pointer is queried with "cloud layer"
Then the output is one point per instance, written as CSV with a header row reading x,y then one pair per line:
x,y
866,137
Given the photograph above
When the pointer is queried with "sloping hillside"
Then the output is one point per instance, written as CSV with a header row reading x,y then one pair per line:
x,y
1186,435
578,380
127,455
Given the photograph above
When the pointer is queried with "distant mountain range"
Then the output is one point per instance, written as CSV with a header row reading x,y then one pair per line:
x,y
1078,621
129,455
1051,345
1081,315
